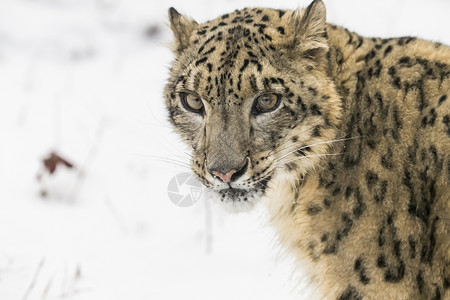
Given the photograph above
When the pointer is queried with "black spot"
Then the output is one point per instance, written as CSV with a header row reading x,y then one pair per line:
x,y
442,99
446,282
253,84
202,60
330,249
315,132
397,83
327,202
360,42
437,295
268,37
387,160
300,152
251,54
336,191
446,121
390,219
381,238
395,274
420,281
370,72
381,261
358,264
280,29
265,18
396,248
404,60
433,117
302,105
315,110
350,294
347,225
424,122
261,27
388,50
371,179
370,55
360,207
281,13
434,153
209,51
209,67
412,247
397,119
363,277
314,209
313,91
359,267
381,193
244,66
428,252
348,192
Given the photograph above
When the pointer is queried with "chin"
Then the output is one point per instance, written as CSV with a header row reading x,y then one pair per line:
x,y
236,200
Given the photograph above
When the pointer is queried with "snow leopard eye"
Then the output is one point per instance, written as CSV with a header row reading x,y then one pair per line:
x,y
266,103
191,102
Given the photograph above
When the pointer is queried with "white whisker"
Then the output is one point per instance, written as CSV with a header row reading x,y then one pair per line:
x,y
167,160
307,156
279,150
315,144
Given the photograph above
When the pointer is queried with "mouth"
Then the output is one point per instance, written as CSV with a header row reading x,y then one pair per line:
x,y
238,199
234,194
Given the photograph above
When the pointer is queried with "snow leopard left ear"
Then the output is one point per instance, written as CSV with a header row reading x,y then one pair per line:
x,y
182,28
310,30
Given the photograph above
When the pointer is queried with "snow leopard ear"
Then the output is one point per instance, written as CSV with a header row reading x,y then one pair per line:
x,y
310,37
182,28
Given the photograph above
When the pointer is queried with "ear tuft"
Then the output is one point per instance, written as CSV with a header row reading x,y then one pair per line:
x,y
182,28
310,29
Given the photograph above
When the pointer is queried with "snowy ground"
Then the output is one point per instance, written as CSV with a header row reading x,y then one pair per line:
x,y
84,78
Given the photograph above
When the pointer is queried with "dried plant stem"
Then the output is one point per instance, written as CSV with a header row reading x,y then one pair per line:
x,y
208,227
34,279
89,159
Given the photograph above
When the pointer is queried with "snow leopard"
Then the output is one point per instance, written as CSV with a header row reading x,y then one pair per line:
x,y
345,139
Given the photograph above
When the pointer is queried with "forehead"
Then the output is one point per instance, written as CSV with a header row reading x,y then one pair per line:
x,y
247,25
230,53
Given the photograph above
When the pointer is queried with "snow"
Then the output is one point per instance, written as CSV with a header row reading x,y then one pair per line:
x,y
85,78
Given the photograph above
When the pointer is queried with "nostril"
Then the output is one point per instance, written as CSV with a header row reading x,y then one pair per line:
x,y
241,172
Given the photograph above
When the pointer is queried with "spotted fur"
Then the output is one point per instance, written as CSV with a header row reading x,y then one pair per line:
x,y
353,164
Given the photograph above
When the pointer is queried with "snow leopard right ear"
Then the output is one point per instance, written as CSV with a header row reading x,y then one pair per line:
x,y
309,24
182,28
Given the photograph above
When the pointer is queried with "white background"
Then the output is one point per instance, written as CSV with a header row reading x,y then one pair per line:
x,y
85,78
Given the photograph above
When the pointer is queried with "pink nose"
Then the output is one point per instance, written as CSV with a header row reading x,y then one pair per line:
x,y
225,177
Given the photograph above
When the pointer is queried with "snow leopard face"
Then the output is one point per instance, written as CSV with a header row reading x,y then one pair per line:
x,y
249,93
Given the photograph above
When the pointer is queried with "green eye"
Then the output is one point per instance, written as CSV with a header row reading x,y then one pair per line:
x,y
191,102
266,103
